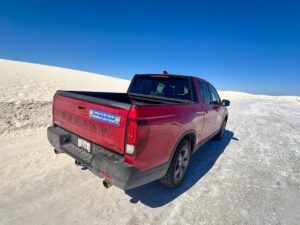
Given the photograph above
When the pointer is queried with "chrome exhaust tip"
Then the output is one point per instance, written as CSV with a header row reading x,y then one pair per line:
x,y
107,183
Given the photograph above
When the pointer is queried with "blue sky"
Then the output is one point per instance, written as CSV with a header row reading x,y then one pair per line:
x,y
251,46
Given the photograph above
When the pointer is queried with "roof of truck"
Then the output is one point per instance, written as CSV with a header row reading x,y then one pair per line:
x,y
171,75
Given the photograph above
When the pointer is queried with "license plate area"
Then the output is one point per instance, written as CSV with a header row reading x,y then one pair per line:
x,y
84,145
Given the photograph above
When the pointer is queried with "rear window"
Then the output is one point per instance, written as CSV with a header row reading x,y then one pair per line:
x,y
168,87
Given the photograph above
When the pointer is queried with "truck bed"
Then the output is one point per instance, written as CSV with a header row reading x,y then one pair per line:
x,y
118,100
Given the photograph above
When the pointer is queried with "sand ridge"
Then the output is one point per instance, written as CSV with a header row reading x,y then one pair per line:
x,y
27,89
27,81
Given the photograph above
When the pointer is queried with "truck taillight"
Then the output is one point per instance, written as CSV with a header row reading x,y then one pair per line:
x,y
137,137
131,132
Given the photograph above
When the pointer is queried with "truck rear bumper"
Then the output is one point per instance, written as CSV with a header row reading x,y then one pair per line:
x,y
103,162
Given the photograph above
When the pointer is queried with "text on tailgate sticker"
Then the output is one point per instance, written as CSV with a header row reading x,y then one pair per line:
x,y
105,117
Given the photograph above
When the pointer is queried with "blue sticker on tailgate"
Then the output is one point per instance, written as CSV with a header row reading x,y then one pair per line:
x,y
105,117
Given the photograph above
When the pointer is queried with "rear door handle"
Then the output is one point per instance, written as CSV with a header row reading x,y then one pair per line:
x,y
81,107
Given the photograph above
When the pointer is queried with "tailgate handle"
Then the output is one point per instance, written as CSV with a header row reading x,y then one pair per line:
x,y
81,107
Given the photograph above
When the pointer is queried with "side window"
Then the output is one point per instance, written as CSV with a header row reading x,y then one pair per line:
x,y
215,98
204,90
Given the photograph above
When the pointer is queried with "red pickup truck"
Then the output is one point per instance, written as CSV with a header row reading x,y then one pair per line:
x,y
146,134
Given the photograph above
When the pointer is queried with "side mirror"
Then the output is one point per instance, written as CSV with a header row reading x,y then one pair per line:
x,y
225,102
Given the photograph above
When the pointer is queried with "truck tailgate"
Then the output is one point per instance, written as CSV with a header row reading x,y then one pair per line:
x,y
101,124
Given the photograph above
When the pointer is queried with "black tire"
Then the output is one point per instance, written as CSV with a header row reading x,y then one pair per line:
x,y
179,165
220,135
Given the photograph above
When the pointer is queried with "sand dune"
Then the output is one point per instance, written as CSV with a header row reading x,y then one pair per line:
x,y
251,177
27,90
32,82
245,96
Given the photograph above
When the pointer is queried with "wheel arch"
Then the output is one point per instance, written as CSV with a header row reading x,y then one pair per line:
x,y
189,135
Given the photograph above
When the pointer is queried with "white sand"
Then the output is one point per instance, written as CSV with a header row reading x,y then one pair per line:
x,y
27,90
242,95
26,81
255,181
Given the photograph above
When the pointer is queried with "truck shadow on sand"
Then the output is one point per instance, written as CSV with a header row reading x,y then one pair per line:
x,y
156,195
